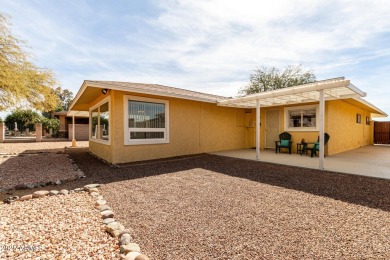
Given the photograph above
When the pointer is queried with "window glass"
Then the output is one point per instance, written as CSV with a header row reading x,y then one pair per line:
x,y
146,121
104,122
146,135
146,115
301,118
294,118
309,118
358,118
94,123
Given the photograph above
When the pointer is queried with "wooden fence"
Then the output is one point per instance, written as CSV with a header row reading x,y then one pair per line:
x,y
382,132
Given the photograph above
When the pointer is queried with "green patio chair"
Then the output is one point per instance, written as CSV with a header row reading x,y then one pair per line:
x,y
316,146
284,142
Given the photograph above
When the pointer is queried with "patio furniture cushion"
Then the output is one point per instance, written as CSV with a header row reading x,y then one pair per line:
x,y
284,143
316,146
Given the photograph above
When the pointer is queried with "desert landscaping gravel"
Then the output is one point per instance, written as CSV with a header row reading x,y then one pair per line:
x,y
223,208
17,148
55,227
35,168
34,163
206,215
213,207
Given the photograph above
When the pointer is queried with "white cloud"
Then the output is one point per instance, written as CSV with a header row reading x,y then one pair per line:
x,y
281,30
205,45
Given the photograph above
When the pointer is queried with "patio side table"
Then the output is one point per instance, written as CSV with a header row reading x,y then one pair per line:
x,y
301,148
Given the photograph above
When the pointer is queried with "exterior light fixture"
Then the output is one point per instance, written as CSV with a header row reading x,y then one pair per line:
x,y
104,91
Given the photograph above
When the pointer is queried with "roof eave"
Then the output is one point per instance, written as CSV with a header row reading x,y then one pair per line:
x,y
149,92
78,95
87,83
379,112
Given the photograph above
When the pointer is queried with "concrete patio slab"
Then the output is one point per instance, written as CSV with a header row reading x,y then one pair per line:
x,y
372,160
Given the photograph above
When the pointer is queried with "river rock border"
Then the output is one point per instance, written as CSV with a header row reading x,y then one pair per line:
x,y
128,249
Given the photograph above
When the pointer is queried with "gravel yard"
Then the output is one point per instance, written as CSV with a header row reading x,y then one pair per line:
x,y
212,207
32,163
56,227
17,148
35,168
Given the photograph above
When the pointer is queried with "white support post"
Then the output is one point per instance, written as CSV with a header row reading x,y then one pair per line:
x,y
73,133
322,129
258,129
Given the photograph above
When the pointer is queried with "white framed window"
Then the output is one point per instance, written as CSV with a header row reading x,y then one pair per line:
x,y
146,120
99,118
302,118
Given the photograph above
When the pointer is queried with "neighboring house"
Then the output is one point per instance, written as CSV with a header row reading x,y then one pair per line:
x,y
134,122
81,125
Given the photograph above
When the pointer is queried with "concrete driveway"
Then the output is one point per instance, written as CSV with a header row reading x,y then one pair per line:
x,y
372,160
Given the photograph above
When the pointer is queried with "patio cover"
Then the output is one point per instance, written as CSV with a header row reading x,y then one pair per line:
x,y
338,88
73,114
319,91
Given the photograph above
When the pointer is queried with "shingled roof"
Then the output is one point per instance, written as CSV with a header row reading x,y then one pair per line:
x,y
156,89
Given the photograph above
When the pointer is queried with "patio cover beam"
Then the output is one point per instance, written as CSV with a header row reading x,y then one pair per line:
x,y
78,113
338,88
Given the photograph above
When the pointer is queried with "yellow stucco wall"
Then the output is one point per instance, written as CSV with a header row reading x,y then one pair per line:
x,y
345,133
101,150
198,127
194,127
340,124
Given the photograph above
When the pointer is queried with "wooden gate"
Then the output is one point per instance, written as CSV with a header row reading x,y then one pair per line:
x,y
382,132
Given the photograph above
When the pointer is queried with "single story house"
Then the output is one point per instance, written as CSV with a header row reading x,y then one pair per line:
x,y
66,125
134,122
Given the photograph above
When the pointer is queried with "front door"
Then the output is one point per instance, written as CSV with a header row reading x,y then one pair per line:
x,y
271,128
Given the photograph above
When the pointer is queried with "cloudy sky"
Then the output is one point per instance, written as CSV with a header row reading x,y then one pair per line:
x,y
207,45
